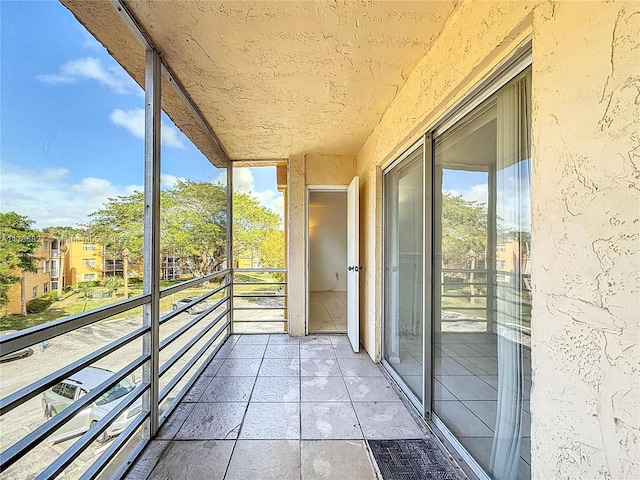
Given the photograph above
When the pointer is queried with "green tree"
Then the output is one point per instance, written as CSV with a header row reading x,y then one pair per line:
x,y
253,224
18,241
119,224
112,284
464,228
194,224
271,252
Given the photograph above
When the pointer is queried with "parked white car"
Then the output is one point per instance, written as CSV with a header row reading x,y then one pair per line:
x,y
63,394
197,308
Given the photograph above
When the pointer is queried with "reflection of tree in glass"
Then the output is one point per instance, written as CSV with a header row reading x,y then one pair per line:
x,y
464,230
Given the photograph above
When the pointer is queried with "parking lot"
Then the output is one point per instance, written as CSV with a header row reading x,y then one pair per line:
x,y
58,353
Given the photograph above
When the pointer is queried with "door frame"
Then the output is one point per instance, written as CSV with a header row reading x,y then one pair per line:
x,y
308,190
424,406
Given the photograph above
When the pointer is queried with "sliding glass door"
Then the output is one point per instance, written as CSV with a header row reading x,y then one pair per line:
x,y
473,303
403,300
482,297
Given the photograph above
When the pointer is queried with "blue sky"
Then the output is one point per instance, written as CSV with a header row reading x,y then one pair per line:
x,y
71,123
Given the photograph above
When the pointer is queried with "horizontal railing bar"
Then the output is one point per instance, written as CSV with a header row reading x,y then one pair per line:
x,y
176,401
171,338
178,376
462,308
30,336
192,283
16,451
259,283
463,296
125,466
259,270
462,319
267,295
12,401
266,320
96,467
187,346
71,453
259,308
174,313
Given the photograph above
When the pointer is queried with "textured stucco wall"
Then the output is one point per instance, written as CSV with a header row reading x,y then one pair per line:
x,y
478,35
586,213
296,246
330,169
586,230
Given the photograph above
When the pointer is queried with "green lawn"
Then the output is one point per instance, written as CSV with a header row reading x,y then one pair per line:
x,y
75,303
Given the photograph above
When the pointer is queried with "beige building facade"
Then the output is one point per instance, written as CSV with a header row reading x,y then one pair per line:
x,y
583,63
35,284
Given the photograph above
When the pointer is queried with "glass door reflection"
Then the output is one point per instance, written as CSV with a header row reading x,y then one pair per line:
x,y
403,274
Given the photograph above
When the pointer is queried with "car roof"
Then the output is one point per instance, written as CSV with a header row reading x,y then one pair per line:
x,y
90,377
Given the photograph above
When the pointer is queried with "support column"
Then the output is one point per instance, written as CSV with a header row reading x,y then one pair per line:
x,y
296,246
151,252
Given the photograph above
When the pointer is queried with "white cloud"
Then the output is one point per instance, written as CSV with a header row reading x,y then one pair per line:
x,y
55,202
244,182
91,68
168,181
54,174
133,121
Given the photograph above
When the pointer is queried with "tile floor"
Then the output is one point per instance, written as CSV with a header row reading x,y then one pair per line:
x,y
327,312
273,406
466,389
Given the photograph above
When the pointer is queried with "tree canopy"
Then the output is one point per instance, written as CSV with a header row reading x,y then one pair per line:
x,y
18,242
193,224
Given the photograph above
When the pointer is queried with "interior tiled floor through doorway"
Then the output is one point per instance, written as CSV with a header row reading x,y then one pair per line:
x,y
274,406
328,312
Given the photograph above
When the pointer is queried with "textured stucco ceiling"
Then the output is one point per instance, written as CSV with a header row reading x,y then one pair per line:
x,y
274,79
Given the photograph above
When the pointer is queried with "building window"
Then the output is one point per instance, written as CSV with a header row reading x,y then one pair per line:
x,y
89,277
45,266
88,262
501,248
88,246
34,294
45,287
54,285
45,245
501,264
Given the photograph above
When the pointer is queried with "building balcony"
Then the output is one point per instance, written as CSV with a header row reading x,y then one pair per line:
x,y
228,405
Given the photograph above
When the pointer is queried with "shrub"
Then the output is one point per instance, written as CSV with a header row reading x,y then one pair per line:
x,y
40,304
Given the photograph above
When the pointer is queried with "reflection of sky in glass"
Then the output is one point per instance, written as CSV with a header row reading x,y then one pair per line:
x,y
514,199
513,192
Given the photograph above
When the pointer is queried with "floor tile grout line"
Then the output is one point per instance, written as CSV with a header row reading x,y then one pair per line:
x,y
244,415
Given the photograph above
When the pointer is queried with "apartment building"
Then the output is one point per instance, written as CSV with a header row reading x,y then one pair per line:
x,y
36,284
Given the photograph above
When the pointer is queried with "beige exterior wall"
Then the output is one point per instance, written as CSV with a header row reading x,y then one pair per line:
x,y
74,267
31,280
586,213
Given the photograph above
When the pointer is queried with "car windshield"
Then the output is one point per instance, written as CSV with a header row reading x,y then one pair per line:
x,y
119,390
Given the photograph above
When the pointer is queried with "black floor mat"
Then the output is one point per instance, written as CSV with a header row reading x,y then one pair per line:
x,y
412,460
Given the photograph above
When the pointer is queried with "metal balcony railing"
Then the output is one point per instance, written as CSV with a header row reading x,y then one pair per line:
x,y
259,299
185,347
465,295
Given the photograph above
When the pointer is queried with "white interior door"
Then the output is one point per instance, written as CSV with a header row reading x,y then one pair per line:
x,y
353,264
